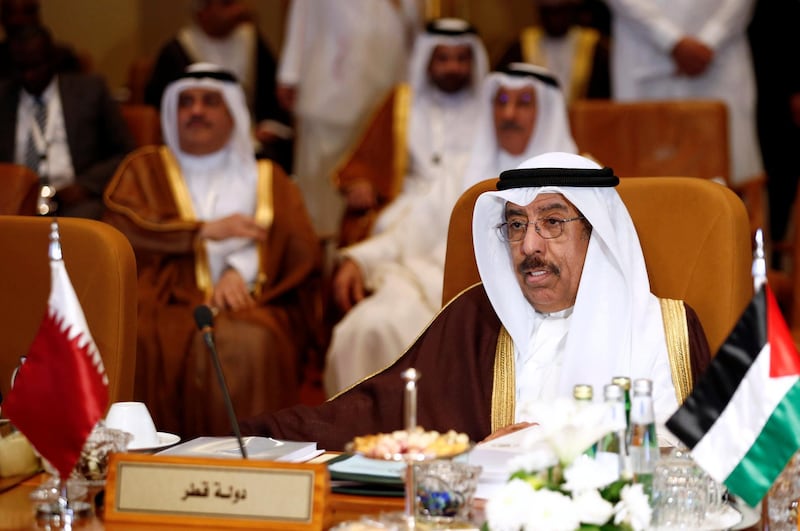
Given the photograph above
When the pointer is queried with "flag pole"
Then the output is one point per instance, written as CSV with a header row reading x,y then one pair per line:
x,y
759,270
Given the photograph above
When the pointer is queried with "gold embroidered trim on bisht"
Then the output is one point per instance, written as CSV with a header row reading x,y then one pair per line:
x,y
582,63
183,200
676,330
504,387
265,213
401,112
529,40
585,40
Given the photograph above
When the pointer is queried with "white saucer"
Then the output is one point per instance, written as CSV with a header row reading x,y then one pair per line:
x,y
164,440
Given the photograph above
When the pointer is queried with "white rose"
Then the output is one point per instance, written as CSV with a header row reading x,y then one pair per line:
x,y
586,474
591,508
537,459
506,509
633,507
551,511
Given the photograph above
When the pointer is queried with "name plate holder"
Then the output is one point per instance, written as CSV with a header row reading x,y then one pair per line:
x,y
214,492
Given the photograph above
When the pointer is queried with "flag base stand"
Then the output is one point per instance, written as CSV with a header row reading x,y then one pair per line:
x,y
60,514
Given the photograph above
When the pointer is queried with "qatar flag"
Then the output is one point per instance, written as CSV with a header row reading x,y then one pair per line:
x,y
61,390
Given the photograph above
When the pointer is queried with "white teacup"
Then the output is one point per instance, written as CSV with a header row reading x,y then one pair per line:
x,y
134,418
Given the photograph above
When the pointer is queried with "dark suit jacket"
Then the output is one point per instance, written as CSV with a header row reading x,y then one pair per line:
x,y
97,135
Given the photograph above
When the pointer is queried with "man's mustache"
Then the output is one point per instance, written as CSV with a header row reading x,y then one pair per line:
x,y
536,262
510,125
197,120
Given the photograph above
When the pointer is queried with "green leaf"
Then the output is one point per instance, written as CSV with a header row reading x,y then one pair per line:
x,y
612,491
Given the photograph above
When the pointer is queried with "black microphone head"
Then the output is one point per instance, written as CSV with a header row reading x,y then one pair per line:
x,y
203,317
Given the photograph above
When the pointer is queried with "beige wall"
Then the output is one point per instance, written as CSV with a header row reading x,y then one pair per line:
x,y
115,32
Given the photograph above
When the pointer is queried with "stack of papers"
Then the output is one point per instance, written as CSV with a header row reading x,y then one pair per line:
x,y
260,448
355,474
493,456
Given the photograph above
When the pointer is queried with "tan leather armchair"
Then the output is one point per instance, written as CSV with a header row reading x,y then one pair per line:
x,y
102,268
654,138
143,122
664,138
694,235
20,190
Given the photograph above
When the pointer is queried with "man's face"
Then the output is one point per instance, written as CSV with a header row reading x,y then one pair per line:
x,y
549,271
204,122
514,118
558,18
18,13
33,63
450,67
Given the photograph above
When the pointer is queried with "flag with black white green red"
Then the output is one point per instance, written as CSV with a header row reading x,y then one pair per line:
x,y
742,419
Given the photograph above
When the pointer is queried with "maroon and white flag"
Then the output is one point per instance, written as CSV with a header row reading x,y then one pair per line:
x,y
61,390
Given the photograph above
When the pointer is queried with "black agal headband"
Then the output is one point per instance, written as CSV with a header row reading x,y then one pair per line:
x,y
219,75
576,177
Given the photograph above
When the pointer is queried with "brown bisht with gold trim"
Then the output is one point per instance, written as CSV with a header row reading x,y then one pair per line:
x,y
261,349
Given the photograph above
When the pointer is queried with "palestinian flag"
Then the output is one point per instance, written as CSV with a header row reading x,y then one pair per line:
x,y
742,420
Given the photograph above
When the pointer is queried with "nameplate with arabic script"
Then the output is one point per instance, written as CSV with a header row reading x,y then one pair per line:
x,y
215,492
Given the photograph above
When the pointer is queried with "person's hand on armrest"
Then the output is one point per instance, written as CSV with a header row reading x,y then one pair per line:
x,y
348,285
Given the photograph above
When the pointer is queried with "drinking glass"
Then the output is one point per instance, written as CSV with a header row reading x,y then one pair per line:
x,y
445,490
782,499
680,493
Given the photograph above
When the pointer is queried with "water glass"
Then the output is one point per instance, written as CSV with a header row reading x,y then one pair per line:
x,y
680,493
782,499
445,489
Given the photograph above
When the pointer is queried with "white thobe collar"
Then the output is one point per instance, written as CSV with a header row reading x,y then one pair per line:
x,y
538,366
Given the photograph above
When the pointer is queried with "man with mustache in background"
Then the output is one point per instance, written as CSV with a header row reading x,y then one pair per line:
x,y
391,284
212,225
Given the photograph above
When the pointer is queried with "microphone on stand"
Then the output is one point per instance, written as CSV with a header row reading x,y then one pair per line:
x,y
205,323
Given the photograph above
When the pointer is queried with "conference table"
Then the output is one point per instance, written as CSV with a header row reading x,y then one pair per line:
x,y
17,511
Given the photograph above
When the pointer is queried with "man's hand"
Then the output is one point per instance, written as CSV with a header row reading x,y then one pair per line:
x,y
287,96
233,226
360,195
231,292
509,429
691,56
348,285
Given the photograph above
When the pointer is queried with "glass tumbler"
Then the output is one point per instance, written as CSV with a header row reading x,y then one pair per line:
x,y
445,489
680,493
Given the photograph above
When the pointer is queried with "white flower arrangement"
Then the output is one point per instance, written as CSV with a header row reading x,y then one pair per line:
x,y
554,486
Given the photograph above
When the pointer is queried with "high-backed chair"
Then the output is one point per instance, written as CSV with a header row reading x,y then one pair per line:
x,y
654,138
20,189
138,75
694,235
102,269
144,123
662,139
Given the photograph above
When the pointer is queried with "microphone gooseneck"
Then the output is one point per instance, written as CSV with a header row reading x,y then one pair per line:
x,y
204,319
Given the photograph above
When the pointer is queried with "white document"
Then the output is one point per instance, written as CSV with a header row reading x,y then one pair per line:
x,y
260,448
